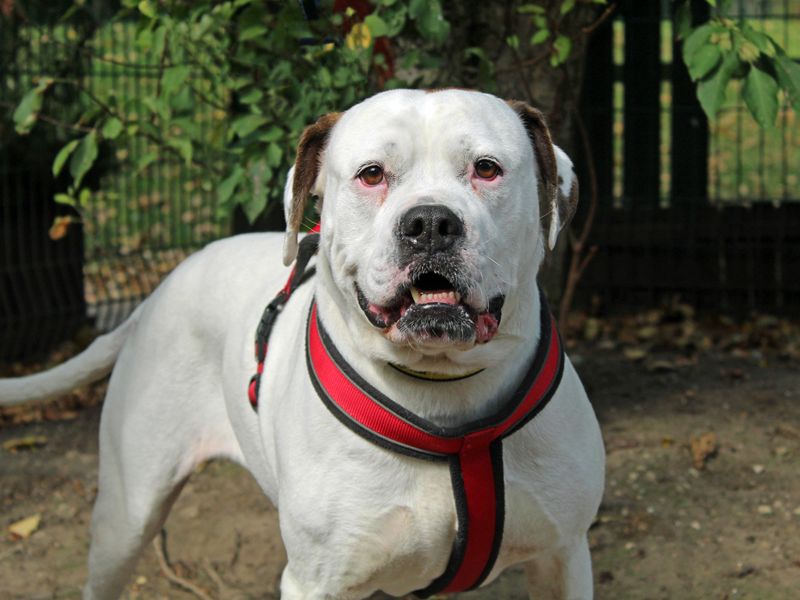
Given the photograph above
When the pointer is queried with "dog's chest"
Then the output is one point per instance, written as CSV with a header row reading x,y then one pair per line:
x,y
421,532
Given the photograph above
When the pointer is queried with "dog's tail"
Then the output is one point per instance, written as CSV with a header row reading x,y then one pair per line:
x,y
88,366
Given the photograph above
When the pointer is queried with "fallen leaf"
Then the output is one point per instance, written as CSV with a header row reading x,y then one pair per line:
x,y
591,329
703,448
60,227
23,529
634,353
648,332
661,366
789,431
24,443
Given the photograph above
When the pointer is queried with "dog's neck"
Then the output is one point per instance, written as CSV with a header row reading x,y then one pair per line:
x,y
446,403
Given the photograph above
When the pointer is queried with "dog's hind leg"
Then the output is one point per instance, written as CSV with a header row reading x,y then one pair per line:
x,y
562,575
122,525
152,436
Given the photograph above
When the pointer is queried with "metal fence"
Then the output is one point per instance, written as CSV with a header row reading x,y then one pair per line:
x,y
705,213
708,213
139,224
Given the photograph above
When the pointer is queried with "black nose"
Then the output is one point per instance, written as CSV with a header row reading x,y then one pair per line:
x,y
430,228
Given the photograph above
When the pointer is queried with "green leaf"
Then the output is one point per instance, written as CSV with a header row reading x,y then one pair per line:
x,y
711,89
258,176
683,20
788,72
159,40
396,20
112,128
62,157
761,40
430,20
760,93
183,146
229,185
254,206
173,79
84,197
562,47
65,199
513,41
377,26
567,6
83,158
28,109
540,36
274,155
145,161
704,61
531,9
251,96
697,39
325,78
252,32
273,134
147,9
247,124
157,105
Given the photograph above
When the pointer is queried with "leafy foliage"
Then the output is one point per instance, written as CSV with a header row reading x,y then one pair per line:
x,y
235,84
723,50
236,81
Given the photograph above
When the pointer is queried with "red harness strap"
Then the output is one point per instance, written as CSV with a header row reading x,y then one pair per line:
x,y
474,451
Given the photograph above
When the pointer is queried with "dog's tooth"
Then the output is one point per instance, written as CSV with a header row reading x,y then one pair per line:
x,y
415,295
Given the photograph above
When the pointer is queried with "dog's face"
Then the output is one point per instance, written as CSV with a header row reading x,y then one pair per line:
x,y
431,210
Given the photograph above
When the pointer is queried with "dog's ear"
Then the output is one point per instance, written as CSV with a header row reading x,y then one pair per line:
x,y
302,179
558,186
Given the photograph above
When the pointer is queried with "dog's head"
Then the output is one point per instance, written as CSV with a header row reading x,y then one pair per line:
x,y
435,208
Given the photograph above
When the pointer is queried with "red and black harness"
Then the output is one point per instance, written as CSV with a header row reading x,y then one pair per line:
x,y
474,452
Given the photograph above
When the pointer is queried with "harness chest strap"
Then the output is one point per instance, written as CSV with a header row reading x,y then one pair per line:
x,y
474,452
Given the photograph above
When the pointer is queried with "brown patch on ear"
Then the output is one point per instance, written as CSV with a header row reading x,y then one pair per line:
x,y
555,209
306,166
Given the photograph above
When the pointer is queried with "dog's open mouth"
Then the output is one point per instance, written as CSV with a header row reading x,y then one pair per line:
x,y
430,307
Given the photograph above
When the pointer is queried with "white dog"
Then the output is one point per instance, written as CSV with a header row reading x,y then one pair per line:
x,y
420,429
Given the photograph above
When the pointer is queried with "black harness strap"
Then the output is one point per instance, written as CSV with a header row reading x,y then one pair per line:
x,y
308,248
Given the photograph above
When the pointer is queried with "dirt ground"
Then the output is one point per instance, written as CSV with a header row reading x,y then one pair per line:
x,y
722,523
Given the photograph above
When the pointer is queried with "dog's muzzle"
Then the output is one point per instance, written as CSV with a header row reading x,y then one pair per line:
x,y
431,304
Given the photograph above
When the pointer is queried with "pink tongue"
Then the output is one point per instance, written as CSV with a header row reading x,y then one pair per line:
x,y
486,328
440,297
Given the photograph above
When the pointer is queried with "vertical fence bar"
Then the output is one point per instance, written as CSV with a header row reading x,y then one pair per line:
x,y
642,73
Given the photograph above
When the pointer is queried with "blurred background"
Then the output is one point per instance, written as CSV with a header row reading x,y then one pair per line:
x,y
174,124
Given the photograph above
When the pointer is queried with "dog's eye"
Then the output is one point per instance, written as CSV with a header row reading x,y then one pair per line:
x,y
486,169
371,175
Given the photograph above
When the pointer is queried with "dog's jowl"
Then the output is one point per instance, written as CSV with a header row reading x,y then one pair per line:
x,y
409,409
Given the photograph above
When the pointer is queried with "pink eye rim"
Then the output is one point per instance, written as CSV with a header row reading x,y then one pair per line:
x,y
486,169
371,175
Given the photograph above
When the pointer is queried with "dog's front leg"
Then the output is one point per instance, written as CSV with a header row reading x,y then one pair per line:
x,y
562,575
293,588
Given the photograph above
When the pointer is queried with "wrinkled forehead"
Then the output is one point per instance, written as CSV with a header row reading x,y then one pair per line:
x,y
450,121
